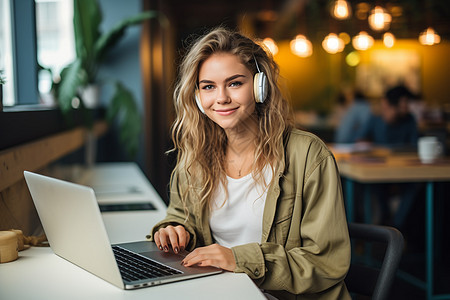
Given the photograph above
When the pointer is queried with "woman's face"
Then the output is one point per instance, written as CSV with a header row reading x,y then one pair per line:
x,y
226,91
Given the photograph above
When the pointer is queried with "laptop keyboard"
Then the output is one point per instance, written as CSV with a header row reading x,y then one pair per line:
x,y
133,266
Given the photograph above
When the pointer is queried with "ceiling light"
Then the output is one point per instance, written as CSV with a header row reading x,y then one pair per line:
x,y
301,46
388,39
429,37
379,19
362,41
271,45
333,44
341,10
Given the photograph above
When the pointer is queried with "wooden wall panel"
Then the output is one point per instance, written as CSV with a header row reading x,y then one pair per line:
x,y
17,210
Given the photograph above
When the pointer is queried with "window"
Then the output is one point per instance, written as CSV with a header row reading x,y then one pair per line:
x,y
42,45
6,59
55,42
21,119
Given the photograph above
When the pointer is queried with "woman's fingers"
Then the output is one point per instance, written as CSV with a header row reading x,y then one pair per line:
x,y
173,239
183,237
157,240
213,255
176,238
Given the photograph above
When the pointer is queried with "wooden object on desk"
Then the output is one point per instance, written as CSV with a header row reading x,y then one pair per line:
x,y
16,207
8,246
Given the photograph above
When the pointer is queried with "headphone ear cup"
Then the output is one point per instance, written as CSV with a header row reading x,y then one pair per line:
x,y
260,87
197,100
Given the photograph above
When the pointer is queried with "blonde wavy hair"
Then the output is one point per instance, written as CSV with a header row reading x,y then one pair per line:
x,y
200,143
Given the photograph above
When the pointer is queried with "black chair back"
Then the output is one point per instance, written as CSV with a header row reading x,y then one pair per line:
x,y
372,281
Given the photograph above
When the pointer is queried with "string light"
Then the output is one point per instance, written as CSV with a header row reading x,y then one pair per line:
x,y
429,37
271,45
362,41
301,46
379,19
388,39
333,44
341,10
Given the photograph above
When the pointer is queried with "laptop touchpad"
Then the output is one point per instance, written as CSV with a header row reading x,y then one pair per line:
x,y
163,256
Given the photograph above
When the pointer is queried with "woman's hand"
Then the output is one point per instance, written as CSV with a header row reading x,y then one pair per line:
x,y
177,237
213,255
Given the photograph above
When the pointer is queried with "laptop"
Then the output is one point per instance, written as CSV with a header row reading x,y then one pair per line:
x,y
72,221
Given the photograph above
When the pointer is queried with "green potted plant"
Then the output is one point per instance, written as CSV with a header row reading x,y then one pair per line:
x,y
77,78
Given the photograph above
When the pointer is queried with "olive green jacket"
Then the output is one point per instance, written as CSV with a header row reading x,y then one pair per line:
x,y
305,248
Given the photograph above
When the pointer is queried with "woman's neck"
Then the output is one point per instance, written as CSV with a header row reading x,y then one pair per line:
x,y
240,152
242,141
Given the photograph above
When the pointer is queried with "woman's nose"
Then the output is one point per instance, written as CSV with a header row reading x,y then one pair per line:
x,y
222,96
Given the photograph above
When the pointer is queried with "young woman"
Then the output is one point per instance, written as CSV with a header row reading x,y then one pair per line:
x,y
249,192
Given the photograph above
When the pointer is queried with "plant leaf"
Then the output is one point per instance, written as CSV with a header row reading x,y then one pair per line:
x,y
71,79
86,22
123,106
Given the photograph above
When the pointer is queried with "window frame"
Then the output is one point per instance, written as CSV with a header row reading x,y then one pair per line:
x,y
27,120
24,52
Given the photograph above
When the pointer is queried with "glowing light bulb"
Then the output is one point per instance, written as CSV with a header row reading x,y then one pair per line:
x,y
388,39
429,37
271,45
379,19
333,44
301,46
341,10
362,41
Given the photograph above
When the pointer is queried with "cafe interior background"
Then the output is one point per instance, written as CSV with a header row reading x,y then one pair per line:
x,y
324,48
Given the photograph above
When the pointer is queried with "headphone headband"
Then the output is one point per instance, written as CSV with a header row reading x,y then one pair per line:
x,y
256,62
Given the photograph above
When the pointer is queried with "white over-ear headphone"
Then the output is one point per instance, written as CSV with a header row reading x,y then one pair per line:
x,y
260,88
197,100
260,85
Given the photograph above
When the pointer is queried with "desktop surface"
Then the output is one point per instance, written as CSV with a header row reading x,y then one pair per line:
x,y
40,274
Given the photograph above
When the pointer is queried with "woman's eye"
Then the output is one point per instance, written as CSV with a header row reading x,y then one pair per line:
x,y
207,87
235,83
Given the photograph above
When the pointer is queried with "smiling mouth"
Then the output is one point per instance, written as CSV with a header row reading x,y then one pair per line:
x,y
225,112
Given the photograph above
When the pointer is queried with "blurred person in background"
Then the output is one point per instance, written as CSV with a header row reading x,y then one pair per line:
x,y
395,126
354,120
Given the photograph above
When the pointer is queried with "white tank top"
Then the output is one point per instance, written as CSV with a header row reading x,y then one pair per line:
x,y
238,219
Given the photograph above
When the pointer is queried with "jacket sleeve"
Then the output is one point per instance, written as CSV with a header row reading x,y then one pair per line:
x,y
177,214
320,255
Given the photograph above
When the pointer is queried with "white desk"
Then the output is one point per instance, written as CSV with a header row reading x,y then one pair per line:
x,y
40,274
